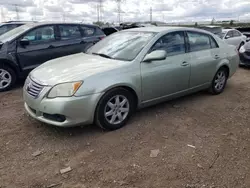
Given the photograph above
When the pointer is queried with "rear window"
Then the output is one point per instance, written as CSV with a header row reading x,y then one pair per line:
x,y
69,32
89,31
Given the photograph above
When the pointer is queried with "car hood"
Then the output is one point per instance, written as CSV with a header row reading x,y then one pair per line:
x,y
73,68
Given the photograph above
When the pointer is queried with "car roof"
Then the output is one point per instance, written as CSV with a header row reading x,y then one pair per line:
x,y
226,30
12,23
166,29
61,23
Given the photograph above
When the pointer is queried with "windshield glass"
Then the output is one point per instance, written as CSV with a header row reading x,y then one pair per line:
x,y
221,35
122,45
14,33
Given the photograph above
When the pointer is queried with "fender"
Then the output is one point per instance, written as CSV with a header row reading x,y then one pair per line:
x,y
11,64
223,62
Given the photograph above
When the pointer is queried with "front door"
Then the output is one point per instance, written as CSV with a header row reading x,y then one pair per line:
x,y
41,48
169,76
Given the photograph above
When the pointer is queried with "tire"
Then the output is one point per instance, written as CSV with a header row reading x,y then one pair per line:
x,y
111,114
7,78
219,82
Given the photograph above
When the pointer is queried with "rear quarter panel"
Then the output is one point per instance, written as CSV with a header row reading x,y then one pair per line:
x,y
230,57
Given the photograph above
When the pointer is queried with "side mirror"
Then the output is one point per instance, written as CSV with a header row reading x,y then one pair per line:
x,y
248,39
227,37
156,55
24,42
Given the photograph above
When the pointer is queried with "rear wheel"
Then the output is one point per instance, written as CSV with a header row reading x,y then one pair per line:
x,y
219,82
7,78
114,109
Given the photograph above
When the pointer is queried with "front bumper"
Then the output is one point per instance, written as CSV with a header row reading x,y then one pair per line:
x,y
75,110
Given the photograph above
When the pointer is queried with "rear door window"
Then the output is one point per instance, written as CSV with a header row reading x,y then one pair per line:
x,y
236,33
68,32
213,43
198,41
229,34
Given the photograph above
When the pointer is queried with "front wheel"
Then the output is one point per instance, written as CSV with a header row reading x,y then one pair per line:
x,y
114,109
219,82
7,78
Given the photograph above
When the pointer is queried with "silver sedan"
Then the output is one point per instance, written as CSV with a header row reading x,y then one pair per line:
x,y
128,70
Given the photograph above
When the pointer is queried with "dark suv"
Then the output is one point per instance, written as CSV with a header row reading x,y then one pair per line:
x,y
7,26
26,47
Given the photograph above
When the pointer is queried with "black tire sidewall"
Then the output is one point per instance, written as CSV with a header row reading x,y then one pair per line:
x,y
100,119
214,90
13,77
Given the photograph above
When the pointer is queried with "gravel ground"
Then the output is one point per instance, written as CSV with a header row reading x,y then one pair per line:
x,y
199,141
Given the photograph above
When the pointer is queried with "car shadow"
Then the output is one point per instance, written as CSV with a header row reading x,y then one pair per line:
x,y
86,131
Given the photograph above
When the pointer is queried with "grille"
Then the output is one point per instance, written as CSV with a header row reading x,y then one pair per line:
x,y
33,88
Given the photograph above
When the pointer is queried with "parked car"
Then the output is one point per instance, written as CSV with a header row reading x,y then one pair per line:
x,y
245,31
5,27
127,70
233,37
211,28
30,45
110,30
245,54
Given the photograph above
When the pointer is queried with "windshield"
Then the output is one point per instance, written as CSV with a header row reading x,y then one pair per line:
x,y
14,33
221,35
122,45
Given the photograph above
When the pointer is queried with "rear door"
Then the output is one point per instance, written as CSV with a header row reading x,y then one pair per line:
x,y
231,39
70,39
238,37
204,54
41,48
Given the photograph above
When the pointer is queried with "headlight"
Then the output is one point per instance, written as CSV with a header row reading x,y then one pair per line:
x,y
242,50
64,89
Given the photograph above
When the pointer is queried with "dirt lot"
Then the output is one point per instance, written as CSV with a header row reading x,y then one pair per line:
x,y
216,127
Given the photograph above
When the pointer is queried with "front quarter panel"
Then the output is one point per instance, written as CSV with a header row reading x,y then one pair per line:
x,y
126,76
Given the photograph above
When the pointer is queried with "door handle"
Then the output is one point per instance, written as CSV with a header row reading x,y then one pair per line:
x,y
51,46
216,57
184,64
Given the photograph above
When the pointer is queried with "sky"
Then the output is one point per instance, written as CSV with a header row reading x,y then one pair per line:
x,y
132,10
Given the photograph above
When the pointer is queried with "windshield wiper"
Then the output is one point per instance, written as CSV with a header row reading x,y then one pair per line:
x,y
102,55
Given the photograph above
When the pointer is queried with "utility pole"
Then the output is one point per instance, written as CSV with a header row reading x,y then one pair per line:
x,y
119,10
100,9
98,15
17,13
151,15
2,15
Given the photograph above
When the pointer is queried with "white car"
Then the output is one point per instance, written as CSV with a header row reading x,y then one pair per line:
x,y
233,37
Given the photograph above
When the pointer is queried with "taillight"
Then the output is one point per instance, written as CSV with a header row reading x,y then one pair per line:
x,y
102,37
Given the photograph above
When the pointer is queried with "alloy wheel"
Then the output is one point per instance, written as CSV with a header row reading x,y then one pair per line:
x,y
116,109
220,80
5,78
